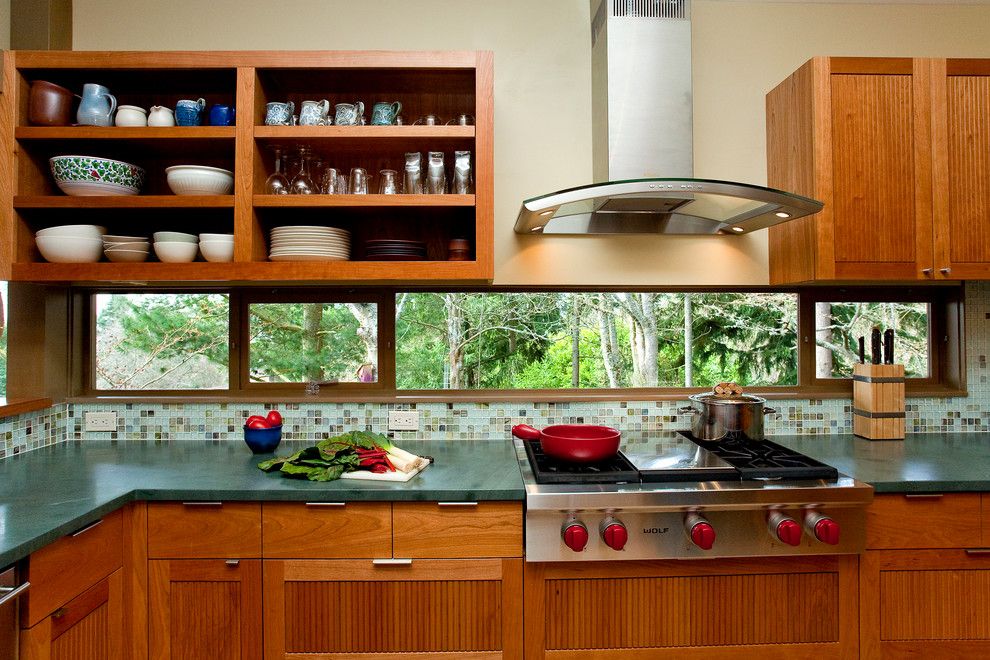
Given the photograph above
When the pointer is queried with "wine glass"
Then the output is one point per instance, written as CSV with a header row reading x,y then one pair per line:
x,y
302,184
277,183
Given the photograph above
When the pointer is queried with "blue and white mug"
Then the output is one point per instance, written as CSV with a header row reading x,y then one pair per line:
x,y
314,113
189,113
384,113
348,114
279,114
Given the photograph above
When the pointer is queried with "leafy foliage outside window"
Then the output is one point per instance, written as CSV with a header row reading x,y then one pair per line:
x,y
838,327
594,340
313,342
161,341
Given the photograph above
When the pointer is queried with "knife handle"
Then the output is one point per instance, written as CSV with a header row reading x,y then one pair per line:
x,y
888,346
862,350
875,346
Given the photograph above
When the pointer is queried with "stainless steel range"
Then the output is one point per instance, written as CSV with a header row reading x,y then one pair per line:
x,y
669,496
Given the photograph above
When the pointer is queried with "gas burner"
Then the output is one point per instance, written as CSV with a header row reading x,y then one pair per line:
x,y
766,460
616,470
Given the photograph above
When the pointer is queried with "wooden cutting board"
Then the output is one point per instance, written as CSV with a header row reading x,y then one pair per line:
x,y
365,475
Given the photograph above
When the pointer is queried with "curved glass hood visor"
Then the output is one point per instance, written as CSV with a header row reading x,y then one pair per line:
x,y
662,206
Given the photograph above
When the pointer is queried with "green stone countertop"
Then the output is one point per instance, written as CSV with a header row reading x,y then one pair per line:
x,y
922,463
49,492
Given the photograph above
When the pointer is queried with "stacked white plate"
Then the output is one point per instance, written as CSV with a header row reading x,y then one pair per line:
x,y
308,243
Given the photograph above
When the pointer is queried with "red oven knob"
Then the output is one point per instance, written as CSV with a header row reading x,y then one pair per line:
x,y
614,533
822,528
575,535
700,530
785,529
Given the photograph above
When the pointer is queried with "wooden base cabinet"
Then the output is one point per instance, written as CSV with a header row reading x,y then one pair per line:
x,y
205,609
89,627
462,609
792,607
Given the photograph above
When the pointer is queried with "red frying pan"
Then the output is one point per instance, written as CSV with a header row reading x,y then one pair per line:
x,y
575,443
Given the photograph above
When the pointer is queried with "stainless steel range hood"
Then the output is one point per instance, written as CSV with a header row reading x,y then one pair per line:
x,y
642,141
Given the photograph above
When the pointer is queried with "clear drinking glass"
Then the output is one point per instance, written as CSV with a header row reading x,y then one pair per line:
x,y
277,183
302,184
388,182
359,181
330,183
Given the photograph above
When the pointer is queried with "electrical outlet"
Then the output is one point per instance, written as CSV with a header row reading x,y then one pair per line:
x,y
101,421
403,420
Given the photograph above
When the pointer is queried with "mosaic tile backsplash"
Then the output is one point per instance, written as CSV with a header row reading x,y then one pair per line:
x,y
304,421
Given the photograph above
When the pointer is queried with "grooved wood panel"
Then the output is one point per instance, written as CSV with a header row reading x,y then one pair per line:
x,y
293,530
680,611
176,530
942,604
487,529
873,168
937,521
968,145
392,617
87,640
205,619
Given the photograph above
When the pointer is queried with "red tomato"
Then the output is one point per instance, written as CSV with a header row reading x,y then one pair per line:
x,y
257,422
274,418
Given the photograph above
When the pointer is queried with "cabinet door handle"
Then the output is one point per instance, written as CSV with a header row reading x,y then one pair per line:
x,y
945,271
457,504
202,504
927,272
233,563
391,562
327,504
80,532
10,593
978,551
924,496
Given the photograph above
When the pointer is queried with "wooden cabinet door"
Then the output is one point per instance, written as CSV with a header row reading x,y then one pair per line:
x,y
961,125
930,604
790,607
464,609
89,627
204,609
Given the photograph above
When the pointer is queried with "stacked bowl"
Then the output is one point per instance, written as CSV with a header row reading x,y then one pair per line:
x,y
217,248
84,176
71,244
126,249
175,247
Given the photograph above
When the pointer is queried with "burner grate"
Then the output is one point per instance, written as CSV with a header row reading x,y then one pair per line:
x,y
616,470
763,459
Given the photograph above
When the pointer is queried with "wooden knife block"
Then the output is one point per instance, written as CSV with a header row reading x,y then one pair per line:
x,y
878,401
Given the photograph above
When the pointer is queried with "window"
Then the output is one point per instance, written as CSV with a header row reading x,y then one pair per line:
x,y
161,341
594,340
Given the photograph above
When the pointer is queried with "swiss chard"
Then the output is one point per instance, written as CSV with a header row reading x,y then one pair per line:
x,y
328,458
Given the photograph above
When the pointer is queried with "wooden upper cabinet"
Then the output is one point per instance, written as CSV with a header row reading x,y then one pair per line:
x,y
961,113
856,134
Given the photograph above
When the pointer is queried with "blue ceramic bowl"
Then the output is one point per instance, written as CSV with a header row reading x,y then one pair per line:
x,y
263,441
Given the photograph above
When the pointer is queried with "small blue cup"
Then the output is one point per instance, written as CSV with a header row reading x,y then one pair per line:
x,y
221,115
263,441
189,113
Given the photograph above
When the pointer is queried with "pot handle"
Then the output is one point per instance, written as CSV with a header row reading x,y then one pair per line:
x,y
526,432
687,409
769,411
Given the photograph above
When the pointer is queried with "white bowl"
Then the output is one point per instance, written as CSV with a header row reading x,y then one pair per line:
x,y
70,249
131,115
174,237
90,231
114,238
199,180
126,256
176,252
229,238
217,250
127,245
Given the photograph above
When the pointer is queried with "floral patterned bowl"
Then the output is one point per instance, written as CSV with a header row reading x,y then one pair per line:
x,y
82,176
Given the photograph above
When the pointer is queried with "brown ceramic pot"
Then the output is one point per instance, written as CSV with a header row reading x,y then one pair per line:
x,y
49,105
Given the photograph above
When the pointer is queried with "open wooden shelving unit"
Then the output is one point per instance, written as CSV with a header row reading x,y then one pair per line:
x,y
441,83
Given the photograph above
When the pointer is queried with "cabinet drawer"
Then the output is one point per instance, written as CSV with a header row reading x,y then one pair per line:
x,y
923,521
457,530
325,530
64,569
204,530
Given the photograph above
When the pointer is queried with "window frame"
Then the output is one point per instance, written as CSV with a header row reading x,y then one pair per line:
x,y
947,356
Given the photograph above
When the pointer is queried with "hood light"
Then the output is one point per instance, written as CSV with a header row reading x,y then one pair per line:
x,y
782,214
738,230
537,228
546,213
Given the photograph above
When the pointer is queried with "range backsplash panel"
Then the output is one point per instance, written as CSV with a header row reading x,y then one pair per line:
x,y
480,421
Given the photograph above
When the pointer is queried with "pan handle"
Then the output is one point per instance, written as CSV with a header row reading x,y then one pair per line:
x,y
687,409
769,411
526,432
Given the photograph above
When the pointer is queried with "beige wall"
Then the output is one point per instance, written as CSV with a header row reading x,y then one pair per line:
x,y
542,94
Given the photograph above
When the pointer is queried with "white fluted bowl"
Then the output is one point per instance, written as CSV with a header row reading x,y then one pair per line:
x,y
199,180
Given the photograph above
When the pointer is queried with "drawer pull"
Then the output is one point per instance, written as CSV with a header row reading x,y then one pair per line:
x,y
391,562
10,593
233,563
457,504
80,532
925,496
327,504
202,504
978,551
60,612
